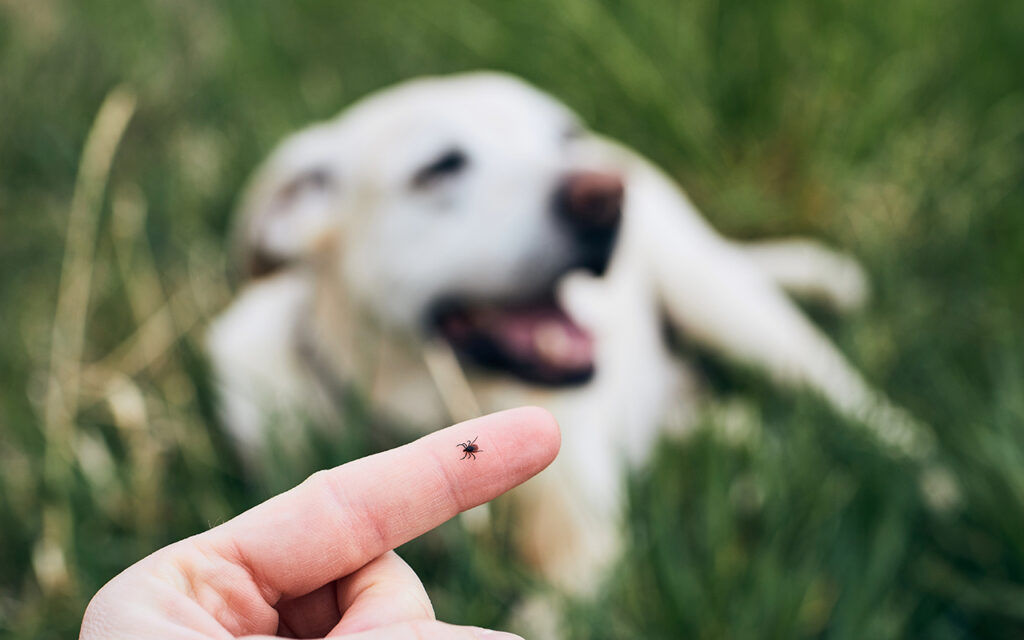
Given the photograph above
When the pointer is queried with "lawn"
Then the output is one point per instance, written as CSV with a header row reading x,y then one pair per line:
x,y
894,130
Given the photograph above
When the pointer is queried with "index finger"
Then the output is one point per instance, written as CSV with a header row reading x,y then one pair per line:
x,y
340,519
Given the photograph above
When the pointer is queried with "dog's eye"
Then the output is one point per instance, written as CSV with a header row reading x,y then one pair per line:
x,y
448,164
573,132
317,179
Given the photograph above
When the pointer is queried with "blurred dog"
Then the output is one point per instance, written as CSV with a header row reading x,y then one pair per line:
x,y
459,245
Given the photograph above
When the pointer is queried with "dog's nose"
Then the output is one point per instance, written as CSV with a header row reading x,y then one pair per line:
x,y
591,200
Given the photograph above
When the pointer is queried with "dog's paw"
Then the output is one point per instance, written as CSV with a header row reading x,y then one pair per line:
x,y
848,289
810,270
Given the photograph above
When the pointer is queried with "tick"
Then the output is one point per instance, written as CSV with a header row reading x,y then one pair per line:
x,y
469,448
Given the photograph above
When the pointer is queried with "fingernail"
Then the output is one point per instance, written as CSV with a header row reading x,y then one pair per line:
x,y
490,634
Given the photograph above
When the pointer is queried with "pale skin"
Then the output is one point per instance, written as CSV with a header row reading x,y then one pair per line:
x,y
317,561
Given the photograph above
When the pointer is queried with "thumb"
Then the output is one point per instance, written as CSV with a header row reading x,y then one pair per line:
x,y
420,630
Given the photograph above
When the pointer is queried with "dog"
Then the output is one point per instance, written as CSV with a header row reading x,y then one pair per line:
x,y
458,245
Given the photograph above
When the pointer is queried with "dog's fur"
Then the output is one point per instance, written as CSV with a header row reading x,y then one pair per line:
x,y
359,232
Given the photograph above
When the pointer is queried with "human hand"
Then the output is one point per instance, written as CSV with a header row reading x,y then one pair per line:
x,y
317,561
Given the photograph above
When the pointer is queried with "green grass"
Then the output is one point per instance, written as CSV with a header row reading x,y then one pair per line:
x,y
893,129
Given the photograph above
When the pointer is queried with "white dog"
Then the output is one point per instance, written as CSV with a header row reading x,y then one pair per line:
x,y
461,245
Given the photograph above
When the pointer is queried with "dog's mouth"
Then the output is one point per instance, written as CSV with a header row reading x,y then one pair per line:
x,y
536,341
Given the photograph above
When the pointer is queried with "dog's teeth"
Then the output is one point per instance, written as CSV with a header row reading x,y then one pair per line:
x,y
553,342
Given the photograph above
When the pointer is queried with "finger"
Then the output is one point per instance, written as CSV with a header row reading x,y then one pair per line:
x,y
338,520
383,593
421,630
311,615
431,630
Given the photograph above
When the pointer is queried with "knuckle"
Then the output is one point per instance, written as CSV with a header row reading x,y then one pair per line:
x,y
326,485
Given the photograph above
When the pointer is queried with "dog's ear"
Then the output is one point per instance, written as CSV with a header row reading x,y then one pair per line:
x,y
289,210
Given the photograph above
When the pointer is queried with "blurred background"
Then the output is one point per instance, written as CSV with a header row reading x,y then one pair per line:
x,y
894,130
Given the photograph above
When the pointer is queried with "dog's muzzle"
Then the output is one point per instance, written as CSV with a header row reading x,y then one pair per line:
x,y
589,203
536,340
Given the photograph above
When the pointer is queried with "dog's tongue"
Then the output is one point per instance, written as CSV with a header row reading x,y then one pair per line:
x,y
542,333
538,342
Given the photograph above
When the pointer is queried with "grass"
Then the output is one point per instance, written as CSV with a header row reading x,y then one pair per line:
x,y
893,129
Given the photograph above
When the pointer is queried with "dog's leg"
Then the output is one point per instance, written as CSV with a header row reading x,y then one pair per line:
x,y
720,297
808,269
566,528
570,518
566,535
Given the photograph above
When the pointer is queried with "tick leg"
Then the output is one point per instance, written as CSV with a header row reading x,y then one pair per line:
x,y
474,440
